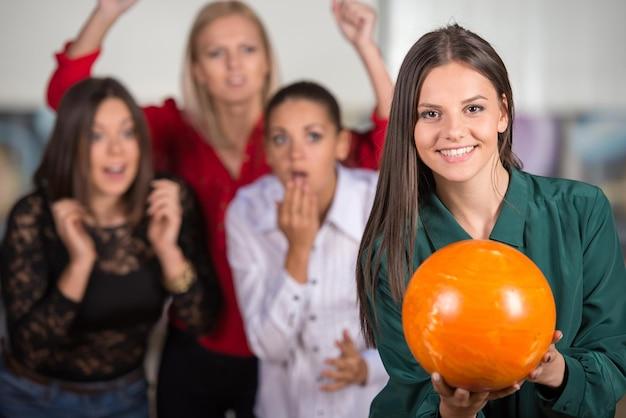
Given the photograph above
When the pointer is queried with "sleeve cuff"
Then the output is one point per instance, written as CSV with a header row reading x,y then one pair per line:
x,y
378,121
88,59
62,302
568,402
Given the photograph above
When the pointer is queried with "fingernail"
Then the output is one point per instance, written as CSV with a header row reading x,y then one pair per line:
x,y
436,377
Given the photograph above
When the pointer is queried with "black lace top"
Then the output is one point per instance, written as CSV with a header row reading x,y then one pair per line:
x,y
104,335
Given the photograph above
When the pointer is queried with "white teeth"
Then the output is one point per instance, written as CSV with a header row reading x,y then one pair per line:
x,y
456,152
115,169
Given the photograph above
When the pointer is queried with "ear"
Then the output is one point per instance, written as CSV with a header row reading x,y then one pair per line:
x,y
503,121
342,148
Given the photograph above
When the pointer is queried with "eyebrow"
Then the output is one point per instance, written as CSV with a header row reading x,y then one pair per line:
x,y
314,125
471,99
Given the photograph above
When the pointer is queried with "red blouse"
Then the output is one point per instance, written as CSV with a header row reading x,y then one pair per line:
x,y
179,149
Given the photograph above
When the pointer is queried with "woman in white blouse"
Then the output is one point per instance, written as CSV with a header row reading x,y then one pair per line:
x,y
293,239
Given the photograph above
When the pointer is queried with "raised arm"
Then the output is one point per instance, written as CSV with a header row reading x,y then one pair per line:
x,y
356,21
97,26
75,62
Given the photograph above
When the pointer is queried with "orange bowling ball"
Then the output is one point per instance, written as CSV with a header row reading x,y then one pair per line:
x,y
480,313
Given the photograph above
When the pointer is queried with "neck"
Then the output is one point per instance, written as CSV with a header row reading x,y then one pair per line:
x,y
474,206
107,210
236,121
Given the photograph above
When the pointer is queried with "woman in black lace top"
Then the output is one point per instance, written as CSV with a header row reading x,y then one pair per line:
x,y
89,259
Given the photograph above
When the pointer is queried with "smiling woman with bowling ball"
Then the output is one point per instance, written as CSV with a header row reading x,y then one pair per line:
x,y
448,174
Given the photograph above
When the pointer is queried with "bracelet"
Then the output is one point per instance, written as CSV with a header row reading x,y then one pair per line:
x,y
182,282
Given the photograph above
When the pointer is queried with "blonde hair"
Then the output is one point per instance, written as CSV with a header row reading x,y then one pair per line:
x,y
196,100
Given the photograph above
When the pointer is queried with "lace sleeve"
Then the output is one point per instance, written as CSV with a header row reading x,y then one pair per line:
x,y
38,315
199,307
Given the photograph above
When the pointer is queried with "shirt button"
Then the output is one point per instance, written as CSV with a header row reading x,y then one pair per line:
x,y
312,317
296,297
316,349
313,282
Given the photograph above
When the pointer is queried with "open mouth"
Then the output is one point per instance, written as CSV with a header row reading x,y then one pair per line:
x,y
298,175
236,80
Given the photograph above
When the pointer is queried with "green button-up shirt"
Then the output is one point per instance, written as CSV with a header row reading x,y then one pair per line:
x,y
567,229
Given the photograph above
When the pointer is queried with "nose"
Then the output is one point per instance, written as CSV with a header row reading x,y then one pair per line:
x,y
296,150
233,59
114,145
454,128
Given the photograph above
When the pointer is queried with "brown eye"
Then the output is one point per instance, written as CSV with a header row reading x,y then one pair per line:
x,y
429,114
474,108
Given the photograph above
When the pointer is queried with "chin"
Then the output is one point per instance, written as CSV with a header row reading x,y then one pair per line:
x,y
113,190
455,176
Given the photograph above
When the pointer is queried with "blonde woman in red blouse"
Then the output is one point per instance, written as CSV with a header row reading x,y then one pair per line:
x,y
215,143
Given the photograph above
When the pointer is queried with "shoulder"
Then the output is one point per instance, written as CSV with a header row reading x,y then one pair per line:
x,y
361,184
362,176
166,112
563,193
255,203
32,205
29,218
552,187
257,196
362,179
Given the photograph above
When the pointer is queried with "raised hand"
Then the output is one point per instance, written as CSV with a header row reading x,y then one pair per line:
x,y
348,369
355,20
165,211
97,26
69,219
113,9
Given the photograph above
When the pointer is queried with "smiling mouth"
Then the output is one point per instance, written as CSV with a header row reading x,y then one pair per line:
x,y
115,170
457,152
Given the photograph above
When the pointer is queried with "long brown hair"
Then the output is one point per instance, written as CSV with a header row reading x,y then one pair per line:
x,y
197,102
64,169
392,226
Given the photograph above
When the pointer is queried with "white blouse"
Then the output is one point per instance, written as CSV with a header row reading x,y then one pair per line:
x,y
292,327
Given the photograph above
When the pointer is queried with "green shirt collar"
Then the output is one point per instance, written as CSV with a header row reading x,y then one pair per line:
x,y
442,229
